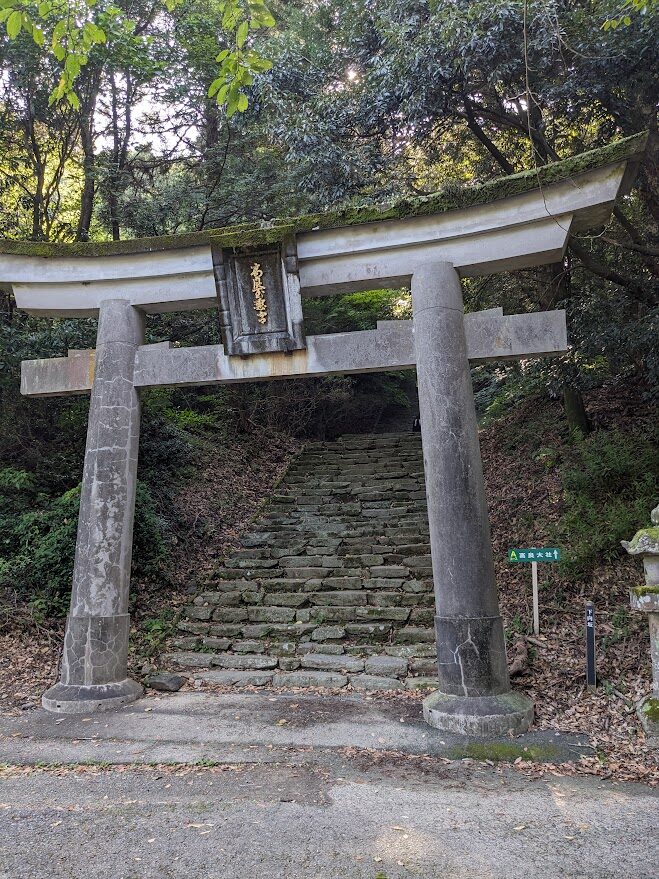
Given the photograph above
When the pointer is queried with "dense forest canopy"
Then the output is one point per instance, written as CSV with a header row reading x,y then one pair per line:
x,y
366,101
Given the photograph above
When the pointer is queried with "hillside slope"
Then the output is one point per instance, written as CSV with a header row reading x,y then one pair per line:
x,y
543,487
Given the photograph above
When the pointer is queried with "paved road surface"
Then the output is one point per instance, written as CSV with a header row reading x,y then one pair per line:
x,y
334,821
294,803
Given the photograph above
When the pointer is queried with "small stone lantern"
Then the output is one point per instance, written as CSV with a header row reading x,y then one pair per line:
x,y
645,543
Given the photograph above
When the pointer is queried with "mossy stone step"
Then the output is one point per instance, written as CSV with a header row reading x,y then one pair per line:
x,y
338,566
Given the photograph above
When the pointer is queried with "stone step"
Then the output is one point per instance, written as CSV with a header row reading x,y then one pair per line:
x,y
321,526
347,472
308,678
279,639
337,464
333,583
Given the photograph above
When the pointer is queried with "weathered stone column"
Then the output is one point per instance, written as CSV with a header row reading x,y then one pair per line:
x,y
474,693
93,672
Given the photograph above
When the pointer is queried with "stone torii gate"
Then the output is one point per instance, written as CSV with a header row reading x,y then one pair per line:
x,y
255,277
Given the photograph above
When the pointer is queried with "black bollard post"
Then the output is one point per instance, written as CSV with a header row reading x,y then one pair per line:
x,y
591,676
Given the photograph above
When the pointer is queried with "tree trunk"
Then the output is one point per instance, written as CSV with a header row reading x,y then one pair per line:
x,y
87,196
211,124
87,111
648,178
634,287
480,135
575,410
113,176
120,143
38,202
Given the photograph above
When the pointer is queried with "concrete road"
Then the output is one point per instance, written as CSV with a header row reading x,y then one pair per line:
x,y
339,820
232,726
302,786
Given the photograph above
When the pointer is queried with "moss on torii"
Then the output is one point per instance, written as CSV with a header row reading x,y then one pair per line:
x,y
278,230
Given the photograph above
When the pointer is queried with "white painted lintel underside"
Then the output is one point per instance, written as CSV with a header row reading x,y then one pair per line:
x,y
519,232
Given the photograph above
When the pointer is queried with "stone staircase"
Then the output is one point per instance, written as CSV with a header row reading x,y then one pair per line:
x,y
332,586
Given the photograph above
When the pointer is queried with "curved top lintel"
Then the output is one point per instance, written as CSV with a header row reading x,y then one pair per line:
x,y
514,222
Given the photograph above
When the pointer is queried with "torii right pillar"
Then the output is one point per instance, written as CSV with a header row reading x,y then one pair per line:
x,y
474,695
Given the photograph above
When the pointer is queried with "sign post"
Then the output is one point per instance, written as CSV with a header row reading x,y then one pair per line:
x,y
536,607
549,554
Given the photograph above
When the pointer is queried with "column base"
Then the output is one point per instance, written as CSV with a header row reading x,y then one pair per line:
x,y
648,713
79,699
479,715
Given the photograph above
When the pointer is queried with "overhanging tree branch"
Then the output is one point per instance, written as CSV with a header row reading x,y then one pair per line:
x,y
633,287
478,132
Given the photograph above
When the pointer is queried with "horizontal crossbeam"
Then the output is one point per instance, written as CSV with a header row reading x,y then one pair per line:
x,y
508,234
490,336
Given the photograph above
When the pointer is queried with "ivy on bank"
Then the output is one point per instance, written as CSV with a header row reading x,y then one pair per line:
x,y
37,545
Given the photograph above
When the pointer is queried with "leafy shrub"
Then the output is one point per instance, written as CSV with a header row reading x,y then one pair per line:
x,y
610,484
166,450
150,545
499,387
188,419
155,630
37,547
13,481
354,311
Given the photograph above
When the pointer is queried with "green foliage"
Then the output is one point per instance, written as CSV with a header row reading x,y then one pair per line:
x,y
361,401
650,709
150,546
610,483
190,420
77,27
37,546
547,456
155,630
499,387
14,482
516,627
355,311
620,623
170,420
238,66
624,14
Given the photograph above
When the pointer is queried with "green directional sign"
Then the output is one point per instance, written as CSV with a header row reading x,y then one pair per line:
x,y
547,554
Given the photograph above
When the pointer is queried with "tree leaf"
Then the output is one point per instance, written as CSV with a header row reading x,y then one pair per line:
x,y
72,67
241,34
14,24
214,86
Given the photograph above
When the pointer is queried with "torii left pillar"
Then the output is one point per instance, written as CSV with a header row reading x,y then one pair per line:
x,y
93,673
